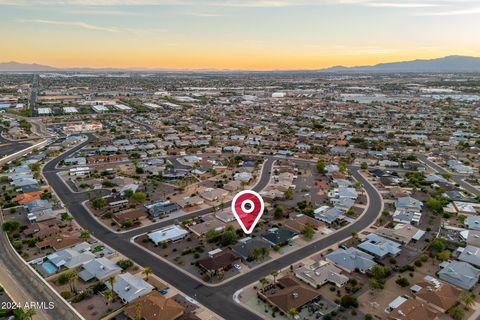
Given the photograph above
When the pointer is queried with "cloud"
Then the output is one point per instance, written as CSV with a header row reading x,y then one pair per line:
x,y
202,14
78,24
403,5
468,11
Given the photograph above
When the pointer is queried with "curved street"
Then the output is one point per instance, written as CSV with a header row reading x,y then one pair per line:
x,y
218,298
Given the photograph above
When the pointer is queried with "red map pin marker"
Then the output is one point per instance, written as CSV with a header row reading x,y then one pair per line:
x,y
247,207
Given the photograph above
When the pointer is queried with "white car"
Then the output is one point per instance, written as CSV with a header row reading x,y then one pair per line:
x,y
237,266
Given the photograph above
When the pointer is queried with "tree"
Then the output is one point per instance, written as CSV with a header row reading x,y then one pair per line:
x,y
274,274
288,194
139,196
364,166
128,193
435,205
342,167
21,314
348,301
263,281
456,313
402,282
468,300
444,255
85,234
438,245
229,237
99,203
293,312
72,276
321,166
111,280
10,226
278,212
108,296
146,271
308,231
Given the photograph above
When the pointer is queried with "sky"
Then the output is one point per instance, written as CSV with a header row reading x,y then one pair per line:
x,y
235,34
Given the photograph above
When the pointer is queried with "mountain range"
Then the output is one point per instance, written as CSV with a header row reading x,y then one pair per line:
x,y
454,63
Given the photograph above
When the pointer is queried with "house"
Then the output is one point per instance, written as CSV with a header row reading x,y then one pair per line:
x,y
245,247
408,203
351,259
278,236
225,215
321,272
100,269
213,194
300,221
167,234
243,176
380,246
328,215
161,208
406,216
410,309
437,294
219,262
190,202
38,205
290,294
154,306
470,254
403,233
24,198
201,229
473,222
72,257
460,274
128,287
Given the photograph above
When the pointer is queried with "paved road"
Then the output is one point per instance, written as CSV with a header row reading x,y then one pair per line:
x,y
219,299
457,178
23,285
8,147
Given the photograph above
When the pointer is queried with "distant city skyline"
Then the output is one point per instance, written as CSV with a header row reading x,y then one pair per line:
x,y
231,34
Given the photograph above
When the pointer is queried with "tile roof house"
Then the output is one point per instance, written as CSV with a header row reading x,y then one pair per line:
x,y
321,272
380,246
351,259
412,309
402,233
290,294
438,294
219,262
154,306
100,269
460,274
298,223
129,287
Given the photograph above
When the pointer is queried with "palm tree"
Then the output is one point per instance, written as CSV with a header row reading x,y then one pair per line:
x,y
146,272
293,312
274,274
111,281
72,278
108,296
468,300
263,282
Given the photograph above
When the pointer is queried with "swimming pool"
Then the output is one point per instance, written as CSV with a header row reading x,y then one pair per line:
x,y
49,268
